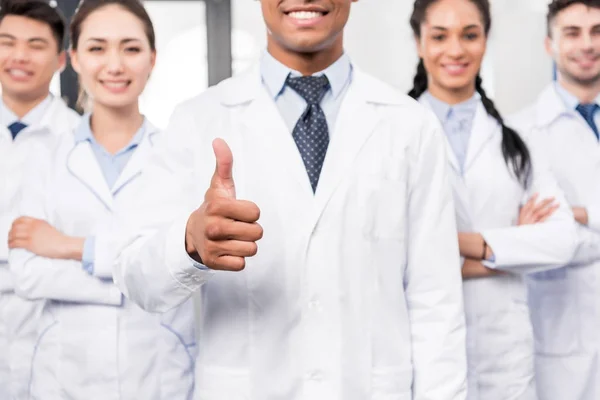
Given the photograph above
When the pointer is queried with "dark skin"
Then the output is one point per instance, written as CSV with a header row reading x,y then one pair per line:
x,y
307,48
306,36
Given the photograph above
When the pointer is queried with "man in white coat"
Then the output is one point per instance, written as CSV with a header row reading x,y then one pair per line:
x,y
565,303
31,52
355,292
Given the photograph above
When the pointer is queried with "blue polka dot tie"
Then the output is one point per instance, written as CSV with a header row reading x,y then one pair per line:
x,y
587,111
15,128
311,132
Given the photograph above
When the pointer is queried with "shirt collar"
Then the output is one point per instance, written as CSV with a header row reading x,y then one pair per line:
x,y
274,74
84,133
442,109
33,117
571,102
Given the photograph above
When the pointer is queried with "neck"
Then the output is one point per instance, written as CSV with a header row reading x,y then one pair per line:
x,y
306,63
22,105
452,96
586,94
115,127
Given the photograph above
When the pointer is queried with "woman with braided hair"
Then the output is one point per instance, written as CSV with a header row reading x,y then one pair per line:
x,y
493,173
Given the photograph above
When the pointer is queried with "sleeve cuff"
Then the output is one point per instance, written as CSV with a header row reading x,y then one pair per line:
x,y
87,259
594,219
184,269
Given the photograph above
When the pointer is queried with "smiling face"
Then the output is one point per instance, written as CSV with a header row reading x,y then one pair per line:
x,y
306,26
113,65
29,58
574,44
452,45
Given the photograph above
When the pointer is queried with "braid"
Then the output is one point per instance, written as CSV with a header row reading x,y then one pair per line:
x,y
419,82
515,151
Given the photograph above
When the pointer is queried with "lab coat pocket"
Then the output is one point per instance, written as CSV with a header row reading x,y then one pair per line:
x,y
222,383
555,318
45,366
391,384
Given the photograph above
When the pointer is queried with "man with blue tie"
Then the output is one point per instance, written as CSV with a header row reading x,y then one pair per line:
x,y
308,205
31,52
564,123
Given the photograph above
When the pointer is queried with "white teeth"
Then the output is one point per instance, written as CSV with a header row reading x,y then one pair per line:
x,y
17,72
305,14
116,85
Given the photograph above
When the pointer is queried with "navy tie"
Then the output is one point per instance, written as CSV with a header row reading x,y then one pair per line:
x,y
15,128
311,132
587,111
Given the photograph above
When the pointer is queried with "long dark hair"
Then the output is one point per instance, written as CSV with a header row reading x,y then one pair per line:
x,y
515,152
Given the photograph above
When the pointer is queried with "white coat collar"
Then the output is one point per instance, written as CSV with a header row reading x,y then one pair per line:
x,y
484,128
248,86
549,107
82,164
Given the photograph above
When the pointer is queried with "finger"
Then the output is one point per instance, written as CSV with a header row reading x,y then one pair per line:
x,y
530,203
238,210
227,263
547,213
228,229
17,244
223,176
543,207
236,248
544,204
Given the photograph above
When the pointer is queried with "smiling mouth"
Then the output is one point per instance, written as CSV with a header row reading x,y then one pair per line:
x,y
116,86
18,73
306,15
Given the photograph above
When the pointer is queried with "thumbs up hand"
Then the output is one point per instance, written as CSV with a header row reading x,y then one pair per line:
x,y
223,231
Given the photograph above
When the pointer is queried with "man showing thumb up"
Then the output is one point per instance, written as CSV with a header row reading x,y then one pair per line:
x,y
223,231
308,207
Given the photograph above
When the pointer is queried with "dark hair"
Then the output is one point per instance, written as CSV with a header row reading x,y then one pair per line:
x,y
87,7
556,6
515,151
38,10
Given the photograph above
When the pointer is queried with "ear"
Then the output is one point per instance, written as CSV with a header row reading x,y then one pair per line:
x,y
153,59
74,60
418,46
548,44
62,61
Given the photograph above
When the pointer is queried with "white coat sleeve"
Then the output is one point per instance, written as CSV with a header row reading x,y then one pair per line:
x,y
42,278
588,250
153,268
536,247
433,282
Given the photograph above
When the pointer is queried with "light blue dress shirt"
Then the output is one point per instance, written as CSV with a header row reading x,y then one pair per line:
x,y
571,102
32,118
112,165
457,121
291,105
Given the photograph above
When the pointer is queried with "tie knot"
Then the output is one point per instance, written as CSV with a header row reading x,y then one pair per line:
x,y
587,111
311,88
16,127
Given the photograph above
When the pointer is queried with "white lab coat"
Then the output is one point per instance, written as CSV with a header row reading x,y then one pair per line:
x,y
355,292
91,342
18,317
488,198
565,304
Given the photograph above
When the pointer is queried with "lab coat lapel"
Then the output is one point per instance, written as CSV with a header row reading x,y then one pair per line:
x,y
484,129
451,156
261,121
82,164
356,123
138,160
